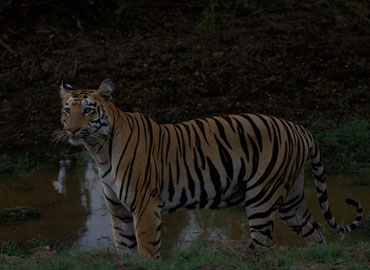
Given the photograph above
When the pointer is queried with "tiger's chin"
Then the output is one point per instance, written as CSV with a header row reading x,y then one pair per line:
x,y
75,141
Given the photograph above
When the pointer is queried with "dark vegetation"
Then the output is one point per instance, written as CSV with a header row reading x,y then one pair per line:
x,y
17,214
306,61
204,254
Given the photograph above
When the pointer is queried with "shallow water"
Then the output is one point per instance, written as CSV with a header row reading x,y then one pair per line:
x,y
69,199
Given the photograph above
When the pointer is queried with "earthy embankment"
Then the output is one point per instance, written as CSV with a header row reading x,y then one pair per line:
x,y
302,60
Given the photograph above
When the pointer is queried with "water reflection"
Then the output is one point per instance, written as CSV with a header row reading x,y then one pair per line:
x,y
72,208
56,194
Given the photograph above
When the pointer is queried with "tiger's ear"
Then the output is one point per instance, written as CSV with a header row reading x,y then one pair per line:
x,y
65,88
106,89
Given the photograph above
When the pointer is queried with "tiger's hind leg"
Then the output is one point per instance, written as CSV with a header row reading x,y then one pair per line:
x,y
122,223
261,217
295,213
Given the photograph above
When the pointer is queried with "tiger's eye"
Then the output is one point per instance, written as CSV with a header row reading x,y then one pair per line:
x,y
87,110
67,110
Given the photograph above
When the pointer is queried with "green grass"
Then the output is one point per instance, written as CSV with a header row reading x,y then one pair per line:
x,y
23,250
202,255
21,163
17,214
345,147
25,162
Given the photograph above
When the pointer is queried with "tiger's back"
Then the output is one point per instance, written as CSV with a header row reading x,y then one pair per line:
x,y
212,162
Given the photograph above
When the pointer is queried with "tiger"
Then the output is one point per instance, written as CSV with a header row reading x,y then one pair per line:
x,y
147,169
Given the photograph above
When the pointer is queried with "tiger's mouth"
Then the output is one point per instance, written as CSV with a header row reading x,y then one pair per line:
x,y
74,136
75,140
86,136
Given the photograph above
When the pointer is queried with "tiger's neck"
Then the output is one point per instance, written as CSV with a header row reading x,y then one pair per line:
x,y
99,152
130,140
103,151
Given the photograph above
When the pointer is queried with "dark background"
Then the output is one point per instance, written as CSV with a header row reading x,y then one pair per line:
x,y
307,61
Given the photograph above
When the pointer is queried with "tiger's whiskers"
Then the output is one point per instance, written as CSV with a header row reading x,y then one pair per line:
x,y
58,135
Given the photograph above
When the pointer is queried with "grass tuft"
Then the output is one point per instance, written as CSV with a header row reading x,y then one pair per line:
x,y
203,255
22,163
345,147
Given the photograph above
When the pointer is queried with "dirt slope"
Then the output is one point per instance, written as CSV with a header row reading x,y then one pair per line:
x,y
302,61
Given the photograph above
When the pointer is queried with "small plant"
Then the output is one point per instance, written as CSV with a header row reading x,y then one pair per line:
x,y
22,163
24,249
17,214
5,163
10,248
209,16
346,147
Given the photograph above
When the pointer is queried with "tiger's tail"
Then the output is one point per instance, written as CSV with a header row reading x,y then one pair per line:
x,y
320,182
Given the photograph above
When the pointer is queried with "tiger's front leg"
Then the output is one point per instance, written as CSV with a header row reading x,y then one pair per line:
x,y
122,223
148,225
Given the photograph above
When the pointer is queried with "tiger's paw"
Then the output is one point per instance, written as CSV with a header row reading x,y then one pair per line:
x,y
250,244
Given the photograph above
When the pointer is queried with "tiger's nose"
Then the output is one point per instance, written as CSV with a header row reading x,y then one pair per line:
x,y
73,130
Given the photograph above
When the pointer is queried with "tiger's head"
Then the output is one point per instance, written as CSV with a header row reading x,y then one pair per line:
x,y
84,116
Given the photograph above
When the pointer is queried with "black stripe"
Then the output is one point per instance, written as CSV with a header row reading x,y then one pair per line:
x,y
111,201
320,177
261,226
177,168
255,162
123,153
226,159
228,120
190,180
183,143
129,237
203,192
215,176
130,169
256,130
275,124
270,166
222,131
111,138
265,233
263,214
201,127
168,142
183,200
171,189
149,151
155,243
264,121
309,232
187,129
107,171
128,246
178,139
133,203
160,144
124,219
199,148
257,242
242,171
291,207
243,141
